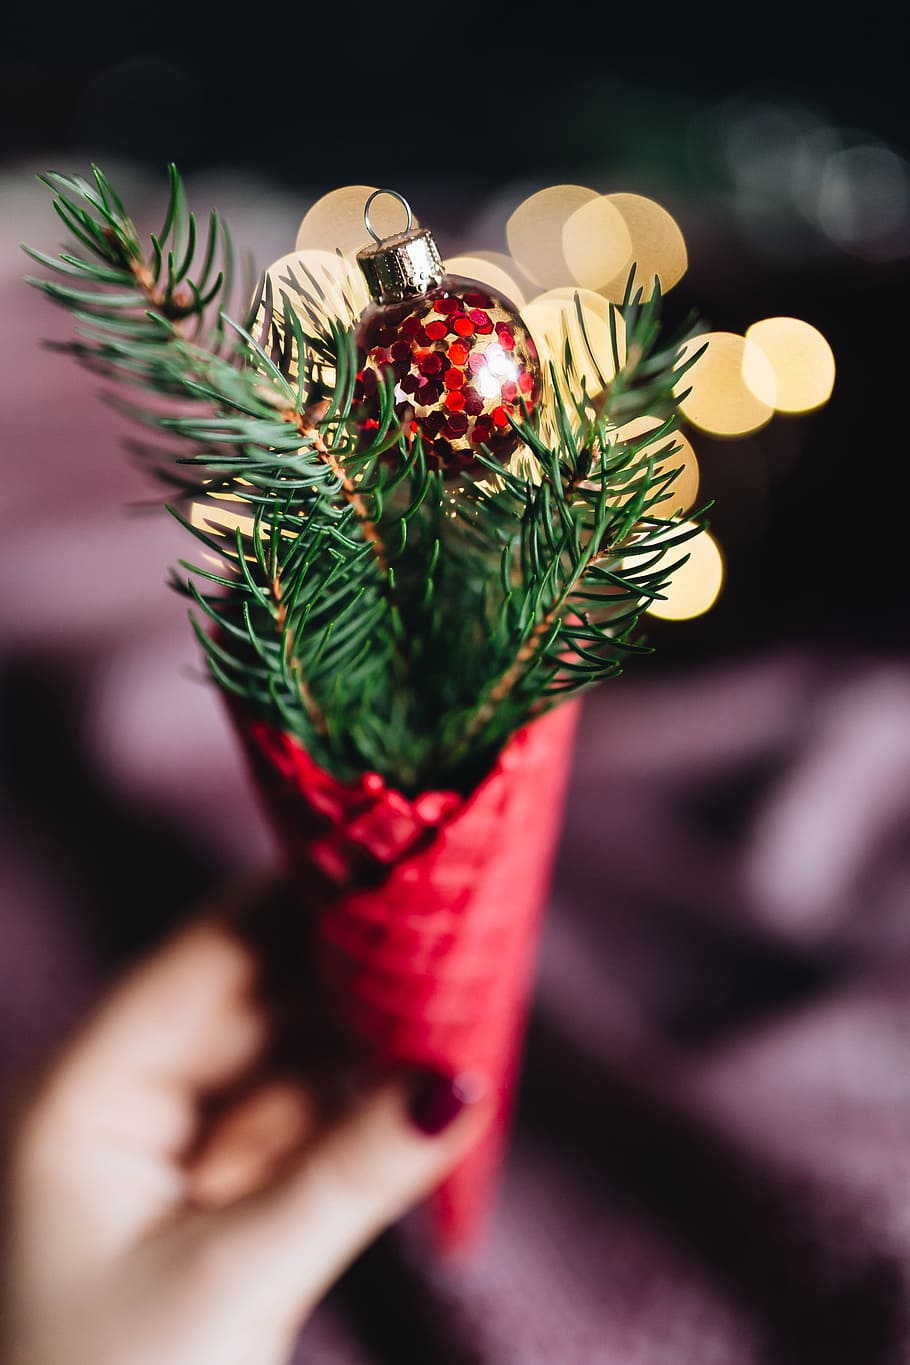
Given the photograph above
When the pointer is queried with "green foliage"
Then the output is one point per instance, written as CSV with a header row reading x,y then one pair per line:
x,y
389,619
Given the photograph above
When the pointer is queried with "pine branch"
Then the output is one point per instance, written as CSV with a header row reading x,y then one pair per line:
x,y
307,423
568,621
388,621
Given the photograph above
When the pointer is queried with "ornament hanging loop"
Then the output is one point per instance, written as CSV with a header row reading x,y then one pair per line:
x,y
367,222
403,265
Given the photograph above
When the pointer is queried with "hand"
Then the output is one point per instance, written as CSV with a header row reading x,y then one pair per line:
x,y
139,1234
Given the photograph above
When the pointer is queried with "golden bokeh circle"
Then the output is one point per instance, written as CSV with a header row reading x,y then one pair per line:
x,y
733,388
527,287
553,317
335,285
597,244
683,491
335,222
534,232
489,272
695,585
658,246
803,362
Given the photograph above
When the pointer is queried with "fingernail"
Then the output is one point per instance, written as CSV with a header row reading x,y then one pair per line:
x,y
438,1099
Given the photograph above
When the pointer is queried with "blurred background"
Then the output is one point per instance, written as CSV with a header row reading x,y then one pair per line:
x,y
779,149
723,1002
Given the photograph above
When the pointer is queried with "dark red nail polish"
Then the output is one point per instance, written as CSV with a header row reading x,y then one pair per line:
x,y
438,1099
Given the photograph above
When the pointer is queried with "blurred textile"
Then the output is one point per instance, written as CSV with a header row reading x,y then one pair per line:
x,y
711,1159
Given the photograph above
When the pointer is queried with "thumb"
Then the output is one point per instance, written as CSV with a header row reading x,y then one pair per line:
x,y
358,1178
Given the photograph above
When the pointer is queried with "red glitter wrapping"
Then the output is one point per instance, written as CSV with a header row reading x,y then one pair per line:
x,y
428,915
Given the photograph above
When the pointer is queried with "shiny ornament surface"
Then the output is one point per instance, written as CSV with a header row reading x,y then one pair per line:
x,y
463,364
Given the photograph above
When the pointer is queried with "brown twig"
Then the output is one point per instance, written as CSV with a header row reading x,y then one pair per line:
x,y
507,680
524,656
173,308
306,424
314,710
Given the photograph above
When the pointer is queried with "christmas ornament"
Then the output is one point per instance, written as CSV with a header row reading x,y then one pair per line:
x,y
463,363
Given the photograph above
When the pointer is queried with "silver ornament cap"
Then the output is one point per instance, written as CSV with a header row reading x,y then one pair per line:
x,y
402,266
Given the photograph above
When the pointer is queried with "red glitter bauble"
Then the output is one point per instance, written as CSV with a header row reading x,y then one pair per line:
x,y
463,364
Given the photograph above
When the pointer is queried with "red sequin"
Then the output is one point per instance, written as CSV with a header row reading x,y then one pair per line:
x,y
433,423
432,363
436,347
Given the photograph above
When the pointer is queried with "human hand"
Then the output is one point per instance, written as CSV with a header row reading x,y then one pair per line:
x,y
138,1234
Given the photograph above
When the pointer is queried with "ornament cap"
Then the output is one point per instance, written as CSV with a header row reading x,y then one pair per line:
x,y
402,266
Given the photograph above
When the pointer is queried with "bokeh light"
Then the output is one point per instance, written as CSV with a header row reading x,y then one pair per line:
x,y
334,283
494,273
800,184
864,202
696,585
553,318
733,388
535,232
683,491
802,361
658,246
336,220
224,516
526,286
597,244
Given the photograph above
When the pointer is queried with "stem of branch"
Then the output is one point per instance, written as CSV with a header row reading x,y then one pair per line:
x,y
507,680
314,710
306,425
174,309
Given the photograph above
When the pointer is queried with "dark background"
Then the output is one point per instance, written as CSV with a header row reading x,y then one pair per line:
x,y
810,510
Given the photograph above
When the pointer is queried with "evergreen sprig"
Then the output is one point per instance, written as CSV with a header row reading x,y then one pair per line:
x,y
389,619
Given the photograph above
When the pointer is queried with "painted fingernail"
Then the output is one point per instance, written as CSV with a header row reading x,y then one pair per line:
x,y
438,1099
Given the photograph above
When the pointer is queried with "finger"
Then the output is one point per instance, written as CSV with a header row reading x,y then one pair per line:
x,y
249,1142
101,1145
181,1024
362,1175
188,1013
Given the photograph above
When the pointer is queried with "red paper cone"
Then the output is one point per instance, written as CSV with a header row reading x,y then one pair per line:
x,y
428,915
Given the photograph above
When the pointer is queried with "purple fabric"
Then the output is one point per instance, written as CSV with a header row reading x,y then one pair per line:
x,y
711,1158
